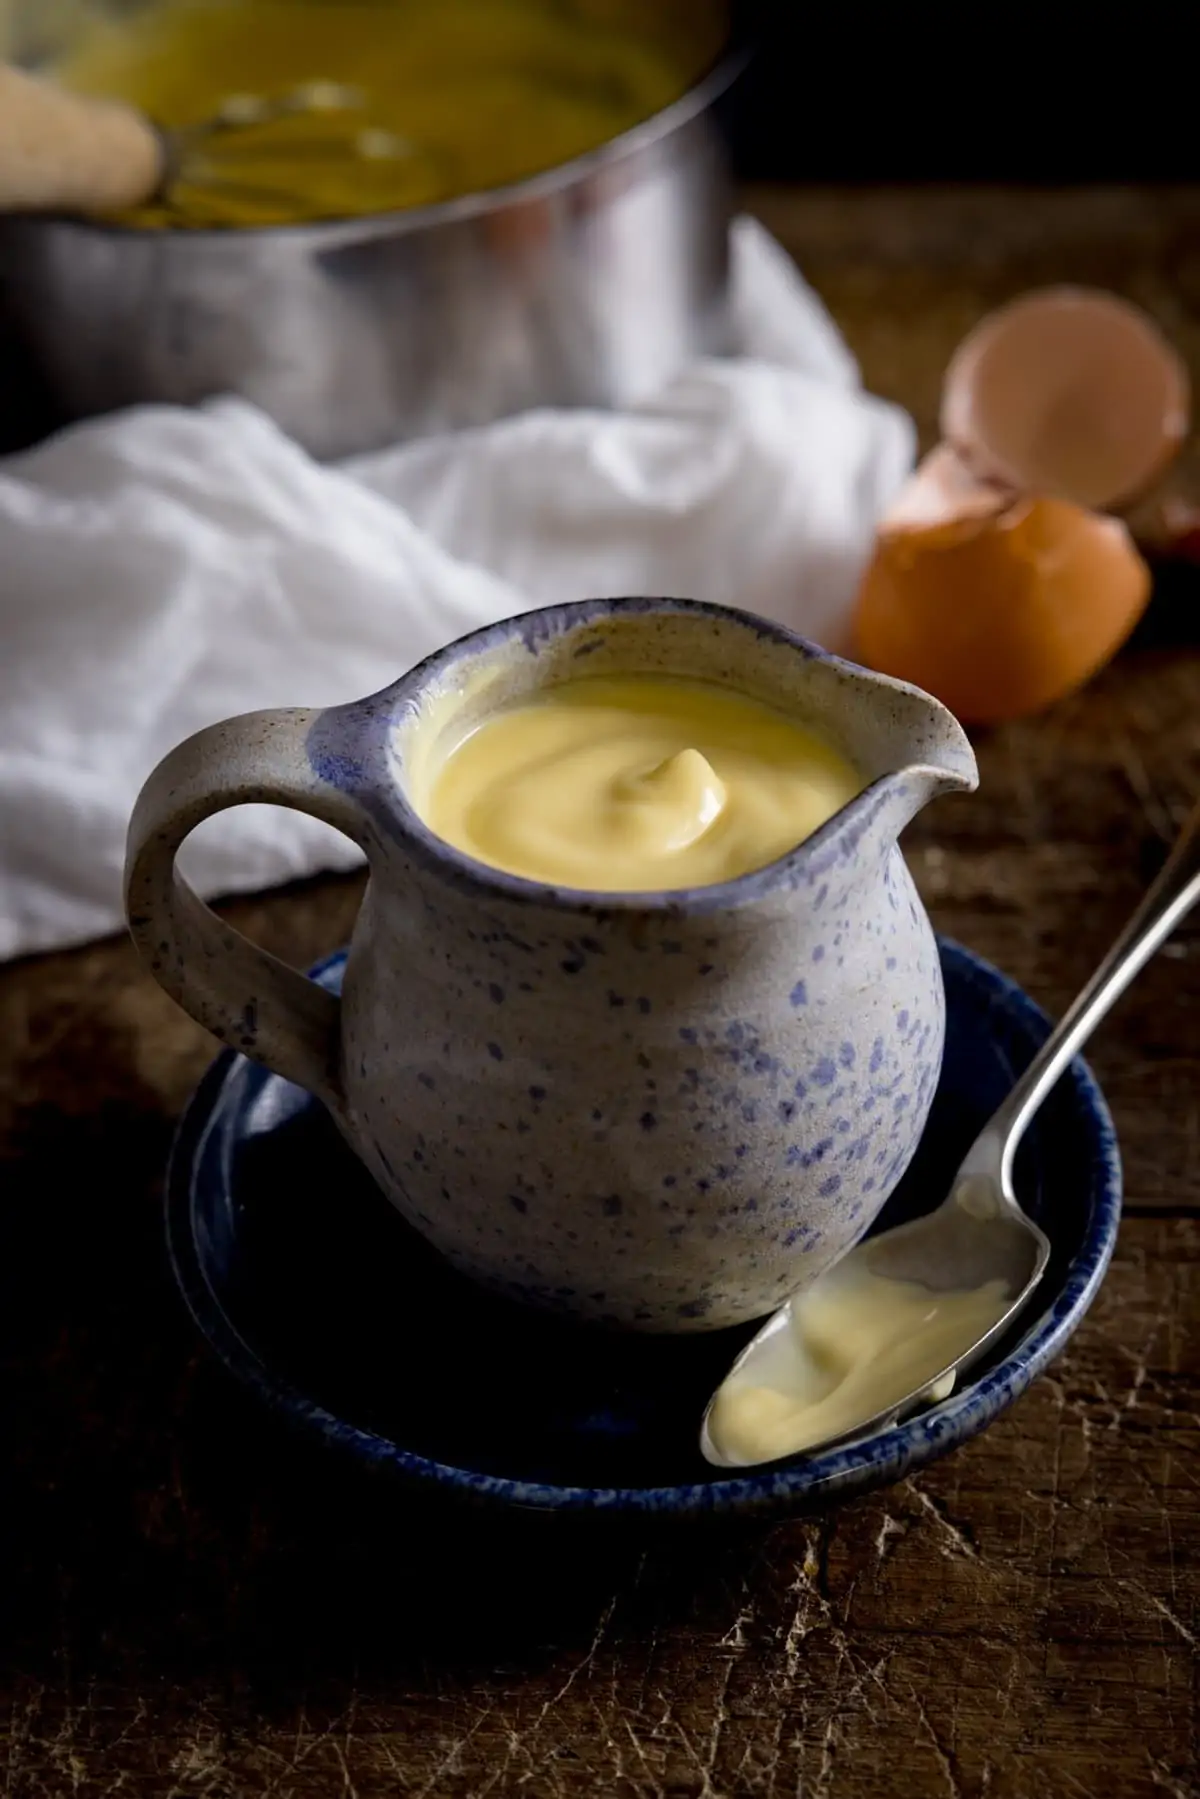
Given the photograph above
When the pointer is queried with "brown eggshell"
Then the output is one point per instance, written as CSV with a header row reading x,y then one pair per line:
x,y
1068,392
941,488
1000,615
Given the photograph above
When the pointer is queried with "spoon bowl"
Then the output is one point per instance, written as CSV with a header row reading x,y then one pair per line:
x,y
979,1234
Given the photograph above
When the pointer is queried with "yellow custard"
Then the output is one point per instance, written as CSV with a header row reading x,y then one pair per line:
x,y
456,95
859,1343
637,783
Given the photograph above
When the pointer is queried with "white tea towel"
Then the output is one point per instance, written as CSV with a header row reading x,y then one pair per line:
x,y
165,568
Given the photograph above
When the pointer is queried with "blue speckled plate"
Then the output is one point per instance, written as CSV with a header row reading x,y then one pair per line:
x,y
316,1294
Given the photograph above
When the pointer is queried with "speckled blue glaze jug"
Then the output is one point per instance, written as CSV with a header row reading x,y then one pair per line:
x,y
661,1111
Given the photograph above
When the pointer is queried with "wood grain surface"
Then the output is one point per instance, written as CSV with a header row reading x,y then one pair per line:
x,y
196,1605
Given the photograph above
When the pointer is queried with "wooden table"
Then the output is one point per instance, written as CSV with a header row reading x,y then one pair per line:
x,y
199,1607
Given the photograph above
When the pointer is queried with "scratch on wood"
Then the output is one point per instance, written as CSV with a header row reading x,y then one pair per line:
x,y
825,1770
1156,813
706,1790
1164,1611
842,1709
944,1757
720,1718
1140,1359
584,1663
958,1535
1163,1777
735,1636
198,1764
450,1761
349,1790
1075,1785
655,1788
889,1527
806,1591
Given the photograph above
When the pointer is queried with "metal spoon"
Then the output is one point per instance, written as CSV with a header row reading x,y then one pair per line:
x,y
979,1233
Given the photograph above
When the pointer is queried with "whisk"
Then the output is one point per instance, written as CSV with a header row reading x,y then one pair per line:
x,y
65,152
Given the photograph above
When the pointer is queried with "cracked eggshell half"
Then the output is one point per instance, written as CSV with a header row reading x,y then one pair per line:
x,y
1069,392
998,603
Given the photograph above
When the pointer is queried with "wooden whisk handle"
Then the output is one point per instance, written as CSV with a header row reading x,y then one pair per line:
x,y
62,152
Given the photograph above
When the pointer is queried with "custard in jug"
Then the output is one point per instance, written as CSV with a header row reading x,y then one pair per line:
x,y
636,783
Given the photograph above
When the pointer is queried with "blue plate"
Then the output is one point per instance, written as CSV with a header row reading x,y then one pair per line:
x,y
314,1292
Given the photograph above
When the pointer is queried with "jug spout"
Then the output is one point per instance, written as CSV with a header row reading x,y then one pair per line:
x,y
944,764
908,746
902,795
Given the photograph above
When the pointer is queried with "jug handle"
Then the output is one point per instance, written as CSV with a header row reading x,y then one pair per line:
x,y
242,994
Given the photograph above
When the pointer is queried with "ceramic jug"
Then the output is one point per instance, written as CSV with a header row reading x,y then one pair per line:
x,y
660,1111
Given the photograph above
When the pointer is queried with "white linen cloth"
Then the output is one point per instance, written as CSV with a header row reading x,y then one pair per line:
x,y
165,568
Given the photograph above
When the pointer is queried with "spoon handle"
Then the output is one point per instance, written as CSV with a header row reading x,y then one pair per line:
x,y
1169,899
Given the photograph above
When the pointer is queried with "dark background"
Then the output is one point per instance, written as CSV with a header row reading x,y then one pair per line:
x,y
866,92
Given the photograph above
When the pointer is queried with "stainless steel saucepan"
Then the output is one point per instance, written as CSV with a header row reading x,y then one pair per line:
x,y
588,285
